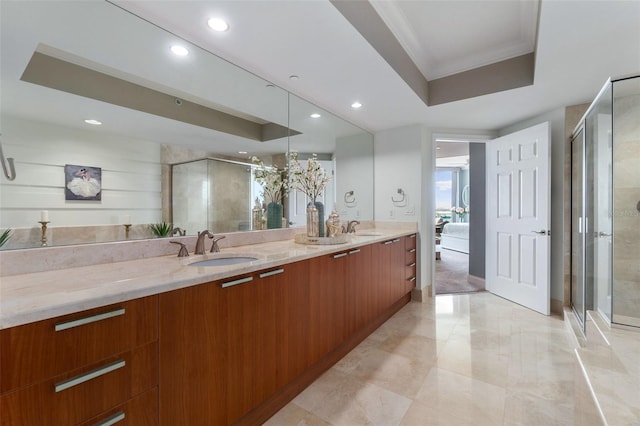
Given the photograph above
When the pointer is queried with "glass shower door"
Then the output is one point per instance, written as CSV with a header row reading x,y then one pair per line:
x,y
577,227
599,182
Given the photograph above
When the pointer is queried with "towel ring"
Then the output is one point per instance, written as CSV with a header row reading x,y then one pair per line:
x,y
350,199
403,199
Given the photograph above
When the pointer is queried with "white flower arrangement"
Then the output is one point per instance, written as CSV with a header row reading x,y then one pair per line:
x,y
310,179
270,178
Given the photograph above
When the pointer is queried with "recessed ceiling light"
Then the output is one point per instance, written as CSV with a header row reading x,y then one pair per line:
x,y
293,77
356,105
315,115
179,50
217,24
93,122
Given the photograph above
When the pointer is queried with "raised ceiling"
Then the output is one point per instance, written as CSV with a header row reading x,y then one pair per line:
x,y
448,37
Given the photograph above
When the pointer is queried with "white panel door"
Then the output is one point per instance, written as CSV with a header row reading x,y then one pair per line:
x,y
518,217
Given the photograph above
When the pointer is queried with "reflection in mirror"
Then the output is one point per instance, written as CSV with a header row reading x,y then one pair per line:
x,y
156,110
214,194
344,151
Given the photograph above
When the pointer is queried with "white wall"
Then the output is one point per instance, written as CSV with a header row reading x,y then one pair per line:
x,y
401,160
131,174
556,119
354,172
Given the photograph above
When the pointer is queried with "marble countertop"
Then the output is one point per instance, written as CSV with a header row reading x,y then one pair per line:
x,y
31,297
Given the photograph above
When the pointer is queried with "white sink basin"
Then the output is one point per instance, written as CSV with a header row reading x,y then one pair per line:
x,y
223,261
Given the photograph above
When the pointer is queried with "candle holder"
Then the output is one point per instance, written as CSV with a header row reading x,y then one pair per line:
x,y
43,225
127,226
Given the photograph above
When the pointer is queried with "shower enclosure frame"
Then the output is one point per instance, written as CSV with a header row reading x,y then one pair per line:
x,y
594,206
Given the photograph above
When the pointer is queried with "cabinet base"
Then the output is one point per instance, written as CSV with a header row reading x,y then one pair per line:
x,y
283,396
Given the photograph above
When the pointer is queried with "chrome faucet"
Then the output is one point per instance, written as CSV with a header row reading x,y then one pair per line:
x,y
214,245
351,227
200,241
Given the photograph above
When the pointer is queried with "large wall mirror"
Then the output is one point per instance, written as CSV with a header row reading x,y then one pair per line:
x,y
66,62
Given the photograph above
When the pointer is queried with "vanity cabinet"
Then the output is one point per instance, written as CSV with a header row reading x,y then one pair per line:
x,y
231,351
81,366
227,345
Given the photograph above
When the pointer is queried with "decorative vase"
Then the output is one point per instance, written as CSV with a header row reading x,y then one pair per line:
x,y
274,215
313,228
320,208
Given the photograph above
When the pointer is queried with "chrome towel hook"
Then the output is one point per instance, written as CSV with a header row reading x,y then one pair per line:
x,y
11,173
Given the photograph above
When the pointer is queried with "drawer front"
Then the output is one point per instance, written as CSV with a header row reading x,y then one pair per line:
x,y
139,411
41,350
410,258
74,397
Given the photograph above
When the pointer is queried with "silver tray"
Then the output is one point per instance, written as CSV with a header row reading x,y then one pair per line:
x,y
338,239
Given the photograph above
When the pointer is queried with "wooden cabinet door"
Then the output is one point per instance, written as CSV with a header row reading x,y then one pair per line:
x,y
292,321
326,303
388,259
360,294
193,353
251,343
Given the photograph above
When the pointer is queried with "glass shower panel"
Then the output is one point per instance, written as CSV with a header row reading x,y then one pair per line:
x,y
577,236
598,205
189,195
626,201
212,194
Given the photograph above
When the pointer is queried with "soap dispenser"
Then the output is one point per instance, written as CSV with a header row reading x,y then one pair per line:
x,y
333,224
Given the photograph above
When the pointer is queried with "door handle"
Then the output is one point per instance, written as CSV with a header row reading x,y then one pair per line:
x,y
542,232
603,234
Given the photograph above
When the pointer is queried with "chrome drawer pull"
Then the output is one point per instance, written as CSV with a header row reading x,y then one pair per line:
x,y
111,420
66,384
412,279
236,282
412,236
411,264
354,251
270,273
412,250
89,320
396,240
338,256
387,243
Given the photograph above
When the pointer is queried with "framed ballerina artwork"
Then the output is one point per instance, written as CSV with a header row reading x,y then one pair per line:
x,y
82,183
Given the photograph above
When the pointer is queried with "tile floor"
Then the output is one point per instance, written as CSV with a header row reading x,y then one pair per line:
x,y
468,359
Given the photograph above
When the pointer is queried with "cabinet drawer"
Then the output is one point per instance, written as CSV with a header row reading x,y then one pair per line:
x,y
84,393
139,411
410,242
38,351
